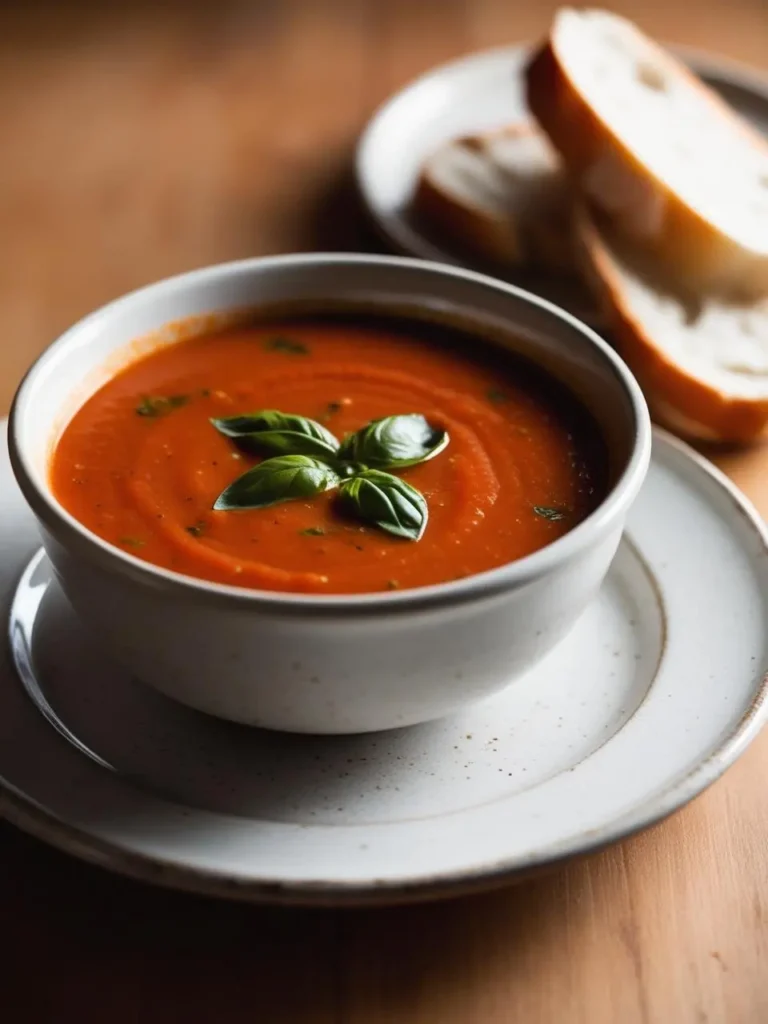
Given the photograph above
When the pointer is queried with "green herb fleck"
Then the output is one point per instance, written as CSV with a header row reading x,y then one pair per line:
x,y
313,531
289,345
496,396
331,409
553,514
131,542
160,405
197,529
393,584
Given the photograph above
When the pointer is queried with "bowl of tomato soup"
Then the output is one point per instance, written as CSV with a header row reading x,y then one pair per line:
x,y
329,493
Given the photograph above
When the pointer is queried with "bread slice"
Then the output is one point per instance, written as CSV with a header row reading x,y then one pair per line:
x,y
677,170
502,196
701,362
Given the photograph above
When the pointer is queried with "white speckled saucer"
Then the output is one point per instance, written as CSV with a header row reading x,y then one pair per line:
x,y
659,687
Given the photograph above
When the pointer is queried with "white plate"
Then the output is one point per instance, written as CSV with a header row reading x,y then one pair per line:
x,y
473,94
659,687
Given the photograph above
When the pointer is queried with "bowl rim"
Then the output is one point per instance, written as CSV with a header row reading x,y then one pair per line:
x,y
486,584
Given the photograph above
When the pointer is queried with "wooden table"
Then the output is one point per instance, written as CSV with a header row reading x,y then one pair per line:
x,y
142,138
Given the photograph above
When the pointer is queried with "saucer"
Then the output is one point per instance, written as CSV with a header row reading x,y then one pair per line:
x,y
658,688
474,94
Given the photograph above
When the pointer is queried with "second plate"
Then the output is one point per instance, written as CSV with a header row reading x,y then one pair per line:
x,y
470,95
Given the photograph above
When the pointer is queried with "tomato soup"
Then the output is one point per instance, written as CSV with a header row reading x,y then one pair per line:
x,y
380,454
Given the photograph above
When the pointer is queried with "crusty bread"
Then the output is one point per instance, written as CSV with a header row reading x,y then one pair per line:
x,y
679,173
701,362
502,196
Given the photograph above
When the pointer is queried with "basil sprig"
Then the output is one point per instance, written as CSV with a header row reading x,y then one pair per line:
x,y
309,460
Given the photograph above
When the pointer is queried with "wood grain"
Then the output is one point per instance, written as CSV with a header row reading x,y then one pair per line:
x,y
140,139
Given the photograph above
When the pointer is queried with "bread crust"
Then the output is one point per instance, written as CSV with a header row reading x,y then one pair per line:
x,y
688,405
512,239
487,237
642,206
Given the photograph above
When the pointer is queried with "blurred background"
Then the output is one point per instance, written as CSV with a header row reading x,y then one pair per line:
x,y
141,137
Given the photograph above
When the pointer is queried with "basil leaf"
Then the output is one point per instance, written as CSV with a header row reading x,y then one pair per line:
x,y
280,479
284,442
271,432
385,501
395,442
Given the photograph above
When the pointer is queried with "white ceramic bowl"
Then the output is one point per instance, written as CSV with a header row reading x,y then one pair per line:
x,y
335,664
